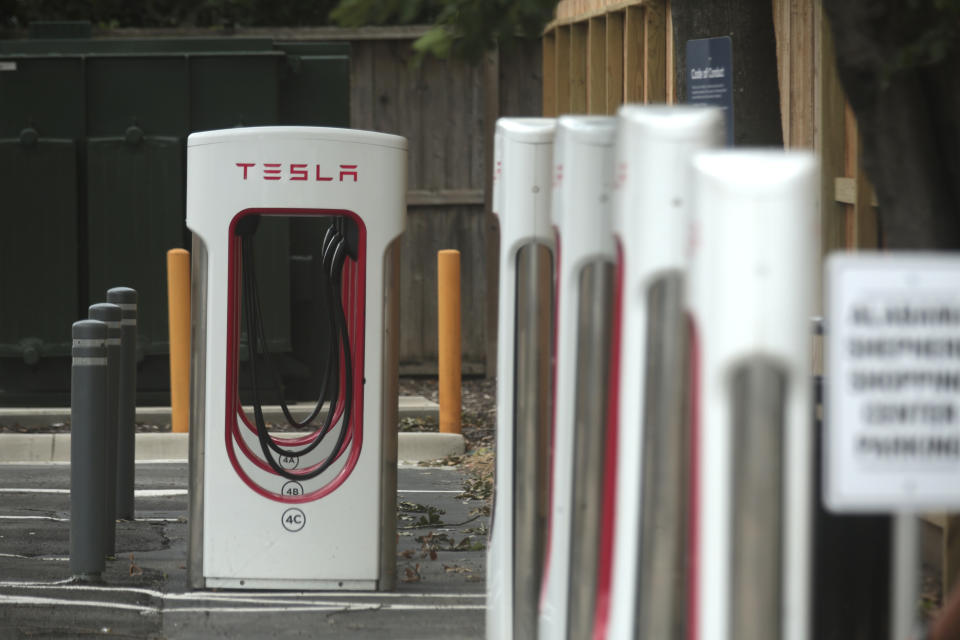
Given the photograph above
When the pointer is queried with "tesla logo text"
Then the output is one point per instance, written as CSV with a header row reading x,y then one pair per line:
x,y
302,172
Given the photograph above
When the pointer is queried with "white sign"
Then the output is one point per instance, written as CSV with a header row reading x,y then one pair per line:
x,y
892,382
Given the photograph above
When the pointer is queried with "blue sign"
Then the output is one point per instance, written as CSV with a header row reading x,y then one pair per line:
x,y
709,78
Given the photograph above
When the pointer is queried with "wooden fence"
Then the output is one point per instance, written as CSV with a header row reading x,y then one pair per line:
x,y
446,110
816,116
600,54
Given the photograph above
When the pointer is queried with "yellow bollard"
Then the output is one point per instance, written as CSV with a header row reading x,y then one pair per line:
x,y
448,337
178,303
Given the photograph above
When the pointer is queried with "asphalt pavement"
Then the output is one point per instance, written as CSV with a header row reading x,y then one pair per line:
x,y
440,568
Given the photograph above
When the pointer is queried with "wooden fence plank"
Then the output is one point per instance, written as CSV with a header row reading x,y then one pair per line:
x,y
846,191
442,108
596,66
549,75
655,38
781,30
521,79
851,162
477,105
828,139
562,73
406,103
614,61
491,231
671,75
633,56
361,87
578,67
428,232
386,77
803,74
444,197
433,123
457,143
868,228
411,288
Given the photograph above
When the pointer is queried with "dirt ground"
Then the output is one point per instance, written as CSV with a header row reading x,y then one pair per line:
x,y
478,425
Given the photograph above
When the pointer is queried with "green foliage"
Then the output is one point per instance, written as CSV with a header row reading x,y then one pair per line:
x,y
931,31
462,28
168,13
358,13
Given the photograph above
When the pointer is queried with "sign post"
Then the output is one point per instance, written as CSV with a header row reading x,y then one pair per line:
x,y
709,63
892,430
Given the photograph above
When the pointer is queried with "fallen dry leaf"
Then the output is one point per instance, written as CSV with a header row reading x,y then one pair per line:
x,y
134,569
411,574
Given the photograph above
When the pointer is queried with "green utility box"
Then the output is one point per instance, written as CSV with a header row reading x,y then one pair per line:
x,y
92,167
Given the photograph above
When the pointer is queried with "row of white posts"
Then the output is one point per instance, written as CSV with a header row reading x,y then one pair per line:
x,y
654,409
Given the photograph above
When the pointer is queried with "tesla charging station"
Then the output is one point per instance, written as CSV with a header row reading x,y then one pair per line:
x,y
754,249
315,511
652,203
581,212
522,188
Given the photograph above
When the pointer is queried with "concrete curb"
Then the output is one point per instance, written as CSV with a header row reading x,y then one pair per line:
x,y
55,447
410,407
421,446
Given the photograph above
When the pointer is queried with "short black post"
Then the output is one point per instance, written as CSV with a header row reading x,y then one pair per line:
x,y
88,420
110,315
126,299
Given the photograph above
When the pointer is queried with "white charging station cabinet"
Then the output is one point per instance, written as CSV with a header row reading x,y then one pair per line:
x,y
652,203
581,214
250,528
522,188
753,262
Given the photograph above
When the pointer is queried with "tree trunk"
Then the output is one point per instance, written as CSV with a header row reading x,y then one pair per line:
x,y
907,118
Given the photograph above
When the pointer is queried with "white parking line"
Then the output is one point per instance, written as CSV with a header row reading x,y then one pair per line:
x,y
231,596
59,519
22,557
160,493
429,490
226,605
139,493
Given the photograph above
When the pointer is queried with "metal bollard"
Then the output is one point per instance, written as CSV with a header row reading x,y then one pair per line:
x,y
448,330
178,303
126,299
88,419
110,314
533,382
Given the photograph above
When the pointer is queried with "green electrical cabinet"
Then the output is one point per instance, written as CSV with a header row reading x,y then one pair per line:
x,y
92,167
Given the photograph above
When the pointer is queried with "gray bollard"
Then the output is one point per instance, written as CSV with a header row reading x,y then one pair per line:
x,y
88,419
110,314
126,299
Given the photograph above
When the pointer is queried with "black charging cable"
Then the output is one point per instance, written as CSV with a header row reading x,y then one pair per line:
x,y
334,253
255,331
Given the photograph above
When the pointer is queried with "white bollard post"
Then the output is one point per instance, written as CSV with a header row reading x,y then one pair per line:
x,y
581,212
753,262
515,557
653,200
